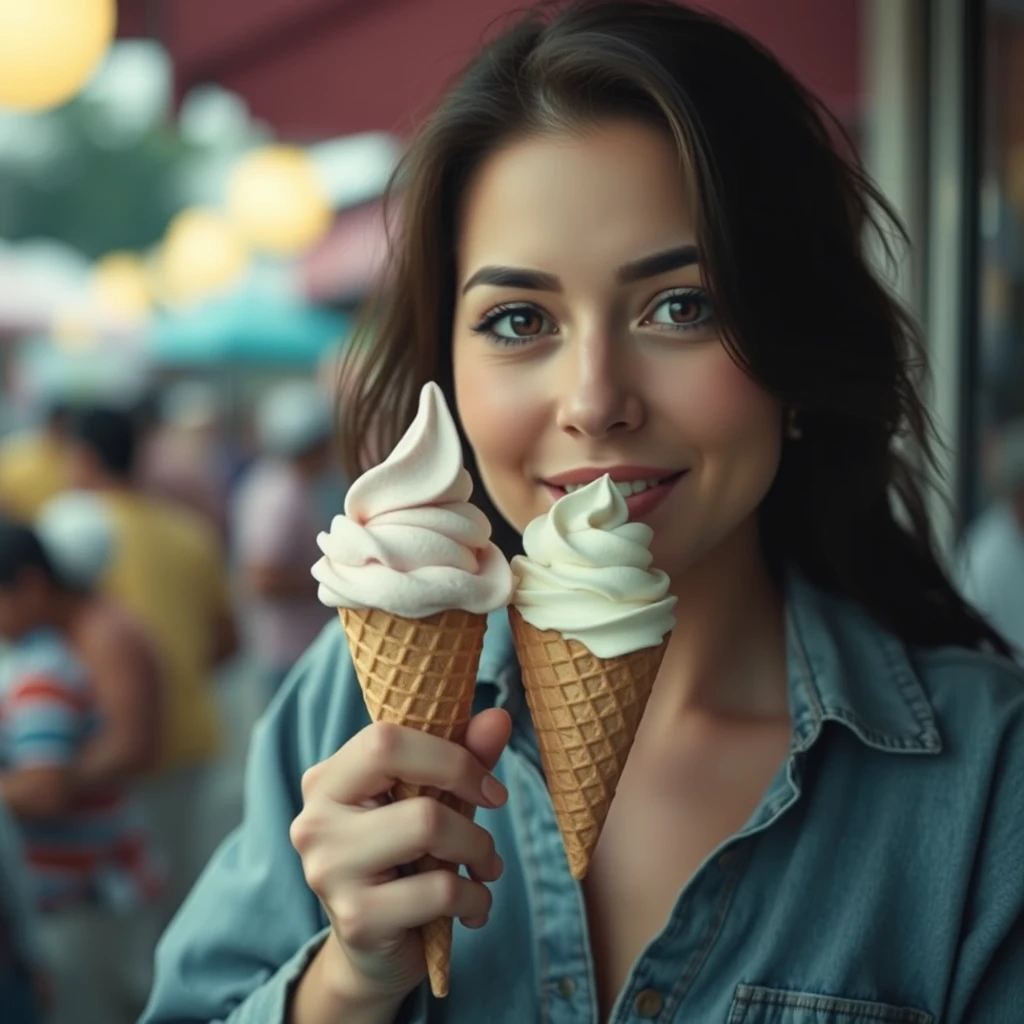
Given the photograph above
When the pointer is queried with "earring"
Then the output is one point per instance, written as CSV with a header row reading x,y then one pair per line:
x,y
793,429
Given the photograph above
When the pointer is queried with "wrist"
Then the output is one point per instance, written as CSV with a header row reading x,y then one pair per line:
x,y
332,990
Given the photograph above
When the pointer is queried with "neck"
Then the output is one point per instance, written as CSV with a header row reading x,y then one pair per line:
x,y
727,654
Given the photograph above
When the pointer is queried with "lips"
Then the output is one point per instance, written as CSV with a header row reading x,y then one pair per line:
x,y
643,487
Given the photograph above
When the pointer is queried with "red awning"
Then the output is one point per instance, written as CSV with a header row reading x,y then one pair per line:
x,y
344,265
320,68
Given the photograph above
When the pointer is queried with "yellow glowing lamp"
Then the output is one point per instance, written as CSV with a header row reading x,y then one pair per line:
x,y
50,48
73,328
277,201
120,284
202,255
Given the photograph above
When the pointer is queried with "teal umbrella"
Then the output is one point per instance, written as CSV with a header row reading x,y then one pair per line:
x,y
247,331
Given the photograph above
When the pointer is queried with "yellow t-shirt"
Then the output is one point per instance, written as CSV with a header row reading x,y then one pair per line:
x,y
169,571
33,469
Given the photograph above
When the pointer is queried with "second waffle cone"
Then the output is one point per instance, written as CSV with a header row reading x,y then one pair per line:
x,y
585,711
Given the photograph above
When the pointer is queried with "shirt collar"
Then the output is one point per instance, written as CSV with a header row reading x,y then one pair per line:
x,y
843,667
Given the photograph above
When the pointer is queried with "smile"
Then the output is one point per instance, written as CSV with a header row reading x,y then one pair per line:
x,y
644,488
624,487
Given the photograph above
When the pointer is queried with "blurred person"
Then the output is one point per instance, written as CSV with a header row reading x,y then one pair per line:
x,y
289,495
633,245
94,876
181,457
118,653
34,463
25,987
992,553
168,571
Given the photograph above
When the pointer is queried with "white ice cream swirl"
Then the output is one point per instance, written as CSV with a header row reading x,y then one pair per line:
x,y
586,574
410,543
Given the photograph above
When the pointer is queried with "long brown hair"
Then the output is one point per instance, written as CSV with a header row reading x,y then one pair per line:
x,y
784,216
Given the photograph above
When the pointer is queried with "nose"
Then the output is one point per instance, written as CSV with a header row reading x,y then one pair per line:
x,y
598,397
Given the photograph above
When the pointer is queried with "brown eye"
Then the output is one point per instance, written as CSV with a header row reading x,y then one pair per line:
x,y
682,311
526,323
514,324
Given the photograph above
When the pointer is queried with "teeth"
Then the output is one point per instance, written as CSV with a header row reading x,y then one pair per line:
x,y
624,487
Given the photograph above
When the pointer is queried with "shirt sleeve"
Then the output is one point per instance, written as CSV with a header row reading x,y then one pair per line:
x,y
44,718
250,927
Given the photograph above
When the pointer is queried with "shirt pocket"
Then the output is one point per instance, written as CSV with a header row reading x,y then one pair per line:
x,y
753,1004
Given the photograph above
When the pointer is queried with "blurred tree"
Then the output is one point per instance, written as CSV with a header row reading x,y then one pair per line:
x,y
76,176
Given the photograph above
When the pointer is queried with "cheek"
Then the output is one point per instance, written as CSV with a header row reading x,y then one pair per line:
x,y
503,415
715,404
499,408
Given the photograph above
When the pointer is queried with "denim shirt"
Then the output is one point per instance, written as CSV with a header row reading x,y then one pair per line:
x,y
879,881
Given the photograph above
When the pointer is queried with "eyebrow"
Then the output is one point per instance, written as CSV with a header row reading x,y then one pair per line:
x,y
536,280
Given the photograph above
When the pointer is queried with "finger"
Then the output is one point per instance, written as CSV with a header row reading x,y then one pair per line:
x,y
383,754
402,832
488,735
368,916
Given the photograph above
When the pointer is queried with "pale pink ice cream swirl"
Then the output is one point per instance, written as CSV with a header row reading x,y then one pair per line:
x,y
410,542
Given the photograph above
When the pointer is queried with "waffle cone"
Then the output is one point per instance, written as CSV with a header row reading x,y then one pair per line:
x,y
420,673
586,711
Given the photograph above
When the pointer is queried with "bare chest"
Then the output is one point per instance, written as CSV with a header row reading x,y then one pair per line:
x,y
668,816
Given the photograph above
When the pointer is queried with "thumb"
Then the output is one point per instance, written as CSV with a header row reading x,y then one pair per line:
x,y
487,736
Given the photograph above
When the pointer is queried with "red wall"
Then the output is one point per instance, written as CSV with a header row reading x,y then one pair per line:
x,y
314,68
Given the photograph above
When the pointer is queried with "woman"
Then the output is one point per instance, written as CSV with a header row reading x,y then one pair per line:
x,y
630,244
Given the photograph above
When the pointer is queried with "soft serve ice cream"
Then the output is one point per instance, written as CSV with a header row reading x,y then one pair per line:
x,y
410,543
590,620
587,574
412,570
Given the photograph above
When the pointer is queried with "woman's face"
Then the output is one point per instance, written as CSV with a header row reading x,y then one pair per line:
x,y
584,342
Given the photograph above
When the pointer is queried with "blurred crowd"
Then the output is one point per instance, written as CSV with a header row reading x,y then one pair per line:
x,y
147,553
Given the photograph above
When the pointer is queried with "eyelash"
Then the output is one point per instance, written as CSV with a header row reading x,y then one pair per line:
x,y
486,325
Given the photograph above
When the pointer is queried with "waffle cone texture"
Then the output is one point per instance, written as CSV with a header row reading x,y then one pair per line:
x,y
420,673
585,711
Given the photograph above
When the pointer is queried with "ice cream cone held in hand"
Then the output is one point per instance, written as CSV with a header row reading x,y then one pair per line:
x,y
412,571
591,621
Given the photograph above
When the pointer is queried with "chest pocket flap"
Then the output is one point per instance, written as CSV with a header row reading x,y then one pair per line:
x,y
753,1004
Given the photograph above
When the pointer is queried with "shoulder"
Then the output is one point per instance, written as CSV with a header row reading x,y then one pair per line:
x,y
967,687
320,705
978,703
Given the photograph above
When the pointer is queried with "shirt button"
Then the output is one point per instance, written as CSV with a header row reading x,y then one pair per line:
x,y
566,988
648,1003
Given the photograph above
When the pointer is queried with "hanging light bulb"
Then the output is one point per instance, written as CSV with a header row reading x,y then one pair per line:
x,y
121,286
202,255
277,201
50,48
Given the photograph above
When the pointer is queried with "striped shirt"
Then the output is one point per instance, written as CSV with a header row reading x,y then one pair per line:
x,y
96,851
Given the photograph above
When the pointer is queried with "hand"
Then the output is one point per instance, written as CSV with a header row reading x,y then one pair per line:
x,y
353,842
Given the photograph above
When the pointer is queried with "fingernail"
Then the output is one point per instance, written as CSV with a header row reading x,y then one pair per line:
x,y
497,867
494,792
